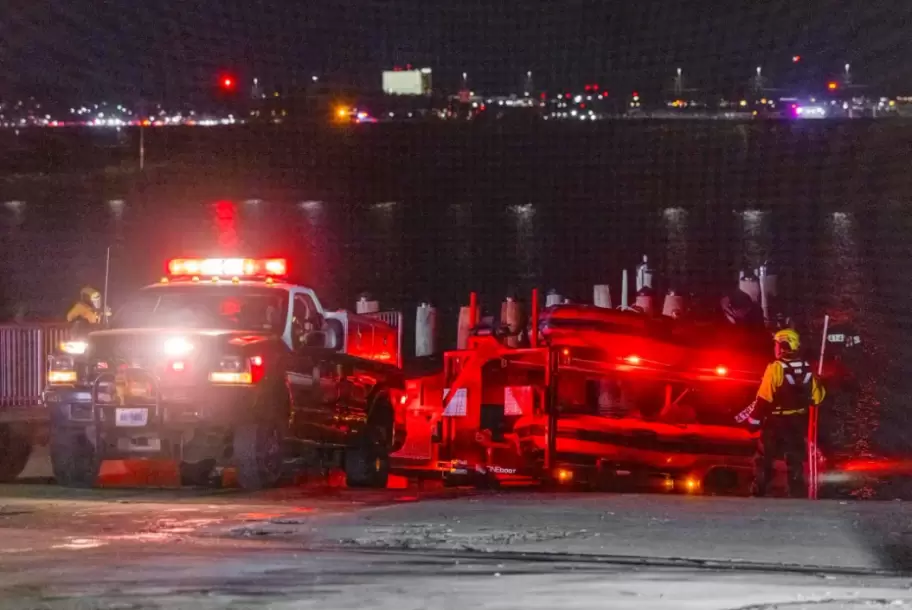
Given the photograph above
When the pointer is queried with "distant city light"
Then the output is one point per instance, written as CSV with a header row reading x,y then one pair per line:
x,y
796,59
810,112
832,86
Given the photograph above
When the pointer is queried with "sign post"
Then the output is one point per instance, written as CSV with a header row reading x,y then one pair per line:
x,y
813,416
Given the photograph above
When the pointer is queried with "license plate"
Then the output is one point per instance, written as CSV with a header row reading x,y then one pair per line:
x,y
131,417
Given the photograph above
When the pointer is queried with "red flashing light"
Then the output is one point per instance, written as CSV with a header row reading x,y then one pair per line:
x,y
595,87
257,370
588,87
832,86
276,266
635,94
228,267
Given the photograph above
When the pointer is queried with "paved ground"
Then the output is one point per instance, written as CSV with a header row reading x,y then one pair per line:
x,y
335,548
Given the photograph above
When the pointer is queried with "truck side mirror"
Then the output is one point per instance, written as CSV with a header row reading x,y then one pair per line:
x,y
315,338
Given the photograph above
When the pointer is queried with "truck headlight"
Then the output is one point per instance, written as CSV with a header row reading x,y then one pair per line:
x,y
177,346
76,348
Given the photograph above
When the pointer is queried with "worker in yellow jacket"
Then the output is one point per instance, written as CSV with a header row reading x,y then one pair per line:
x,y
787,391
86,314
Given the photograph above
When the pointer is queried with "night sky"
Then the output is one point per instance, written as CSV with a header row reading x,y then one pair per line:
x,y
169,49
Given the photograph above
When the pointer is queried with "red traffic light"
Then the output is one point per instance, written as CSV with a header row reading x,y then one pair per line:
x,y
227,82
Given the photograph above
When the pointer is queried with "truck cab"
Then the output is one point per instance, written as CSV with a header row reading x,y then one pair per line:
x,y
225,363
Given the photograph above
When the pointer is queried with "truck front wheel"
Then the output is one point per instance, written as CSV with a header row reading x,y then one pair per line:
x,y
15,449
367,463
73,458
258,455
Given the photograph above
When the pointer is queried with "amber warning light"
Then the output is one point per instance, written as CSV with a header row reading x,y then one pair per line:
x,y
228,267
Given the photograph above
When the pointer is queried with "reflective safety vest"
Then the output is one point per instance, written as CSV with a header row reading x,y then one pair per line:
x,y
796,392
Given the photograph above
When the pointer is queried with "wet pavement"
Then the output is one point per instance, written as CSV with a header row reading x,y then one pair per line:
x,y
316,545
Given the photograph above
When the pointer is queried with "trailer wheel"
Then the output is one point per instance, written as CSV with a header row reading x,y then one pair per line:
x,y
73,458
15,449
367,464
258,454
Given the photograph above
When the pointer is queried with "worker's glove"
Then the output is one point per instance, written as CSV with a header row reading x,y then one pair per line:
x,y
748,416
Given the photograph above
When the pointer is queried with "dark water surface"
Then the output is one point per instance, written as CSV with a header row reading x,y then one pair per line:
x,y
413,216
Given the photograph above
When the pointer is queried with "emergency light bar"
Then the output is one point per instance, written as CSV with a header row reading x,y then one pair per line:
x,y
228,267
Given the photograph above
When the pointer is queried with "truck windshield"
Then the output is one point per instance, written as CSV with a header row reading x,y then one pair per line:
x,y
230,308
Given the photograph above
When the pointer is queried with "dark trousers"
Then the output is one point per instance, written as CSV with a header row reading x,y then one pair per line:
x,y
783,436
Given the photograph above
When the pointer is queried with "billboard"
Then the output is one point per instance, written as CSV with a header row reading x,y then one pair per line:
x,y
407,82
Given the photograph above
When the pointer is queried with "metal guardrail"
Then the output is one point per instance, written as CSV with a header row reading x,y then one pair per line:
x,y
24,349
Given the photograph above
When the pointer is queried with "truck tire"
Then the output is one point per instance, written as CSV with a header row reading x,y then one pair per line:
x,y
15,449
73,459
258,455
199,474
367,464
